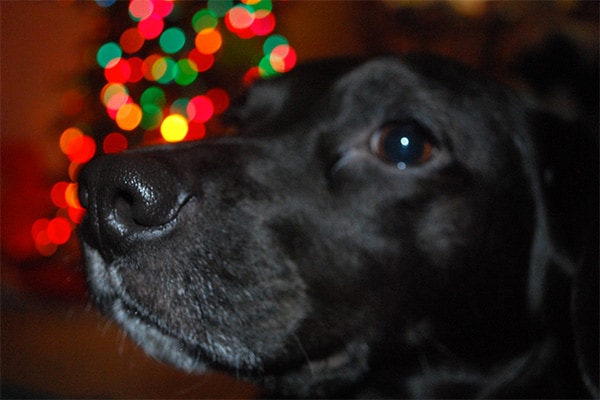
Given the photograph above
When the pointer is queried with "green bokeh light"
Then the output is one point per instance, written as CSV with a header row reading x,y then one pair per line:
x,y
220,7
152,116
204,19
172,40
153,96
273,41
108,52
185,74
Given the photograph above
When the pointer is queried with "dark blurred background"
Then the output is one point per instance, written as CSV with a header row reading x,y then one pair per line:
x,y
54,343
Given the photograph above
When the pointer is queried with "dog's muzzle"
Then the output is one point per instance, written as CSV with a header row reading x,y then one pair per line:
x,y
128,198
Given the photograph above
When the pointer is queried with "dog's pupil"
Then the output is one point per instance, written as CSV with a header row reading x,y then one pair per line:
x,y
405,146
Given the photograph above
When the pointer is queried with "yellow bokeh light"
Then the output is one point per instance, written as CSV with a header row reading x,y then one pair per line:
x,y
174,128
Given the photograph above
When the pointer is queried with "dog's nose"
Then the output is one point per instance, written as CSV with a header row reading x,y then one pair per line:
x,y
126,194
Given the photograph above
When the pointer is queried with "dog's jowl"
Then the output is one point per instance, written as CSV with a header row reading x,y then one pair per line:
x,y
398,227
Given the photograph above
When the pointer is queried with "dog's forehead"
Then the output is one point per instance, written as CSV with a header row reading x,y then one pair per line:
x,y
423,88
381,75
379,88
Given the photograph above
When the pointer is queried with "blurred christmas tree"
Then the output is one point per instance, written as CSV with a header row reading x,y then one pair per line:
x,y
164,71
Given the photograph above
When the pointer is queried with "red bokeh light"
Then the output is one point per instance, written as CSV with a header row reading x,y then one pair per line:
x,y
59,230
114,143
200,109
219,99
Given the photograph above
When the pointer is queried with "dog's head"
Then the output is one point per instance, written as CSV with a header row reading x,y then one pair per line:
x,y
384,221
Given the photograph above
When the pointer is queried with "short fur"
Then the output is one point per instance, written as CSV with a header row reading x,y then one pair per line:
x,y
293,255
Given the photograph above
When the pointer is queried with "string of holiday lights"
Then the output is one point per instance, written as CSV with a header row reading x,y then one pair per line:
x,y
164,50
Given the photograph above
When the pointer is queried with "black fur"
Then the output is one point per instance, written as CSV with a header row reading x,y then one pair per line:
x,y
295,255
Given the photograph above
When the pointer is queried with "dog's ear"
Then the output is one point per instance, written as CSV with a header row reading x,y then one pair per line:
x,y
278,102
566,242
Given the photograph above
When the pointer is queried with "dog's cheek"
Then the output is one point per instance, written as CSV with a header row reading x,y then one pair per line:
x,y
344,279
445,231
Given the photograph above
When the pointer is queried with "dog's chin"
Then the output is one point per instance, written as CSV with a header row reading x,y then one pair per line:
x,y
105,289
312,377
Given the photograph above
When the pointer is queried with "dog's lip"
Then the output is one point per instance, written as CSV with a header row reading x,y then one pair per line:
x,y
333,361
335,370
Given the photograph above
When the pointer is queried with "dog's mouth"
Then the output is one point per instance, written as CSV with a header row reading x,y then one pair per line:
x,y
139,323
208,353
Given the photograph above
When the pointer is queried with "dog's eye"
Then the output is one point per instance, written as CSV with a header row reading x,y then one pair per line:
x,y
402,144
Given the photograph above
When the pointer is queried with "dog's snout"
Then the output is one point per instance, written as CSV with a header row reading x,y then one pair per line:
x,y
125,194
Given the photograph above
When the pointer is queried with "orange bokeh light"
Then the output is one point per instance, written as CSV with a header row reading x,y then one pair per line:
x,y
208,41
129,116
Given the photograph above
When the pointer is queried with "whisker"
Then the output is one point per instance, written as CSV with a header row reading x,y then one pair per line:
x,y
304,353
122,342
201,382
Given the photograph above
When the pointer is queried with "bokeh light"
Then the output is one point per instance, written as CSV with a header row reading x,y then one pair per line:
x,y
131,40
219,7
77,146
201,62
179,106
174,128
200,109
163,70
154,89
208,41
239,17
140,9
59,230
57,194
151,27
204,19
172,40
129,116
136,66
283,58
152,116
153,95
114,142
42,241
196,131
105,3
107,53
219,99
118,72
186,72
163,8
264,23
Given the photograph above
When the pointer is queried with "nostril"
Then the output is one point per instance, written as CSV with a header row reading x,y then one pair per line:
x,y
123,208
125,194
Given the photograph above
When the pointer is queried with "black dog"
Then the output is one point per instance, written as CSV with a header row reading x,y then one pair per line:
x,y
398,227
